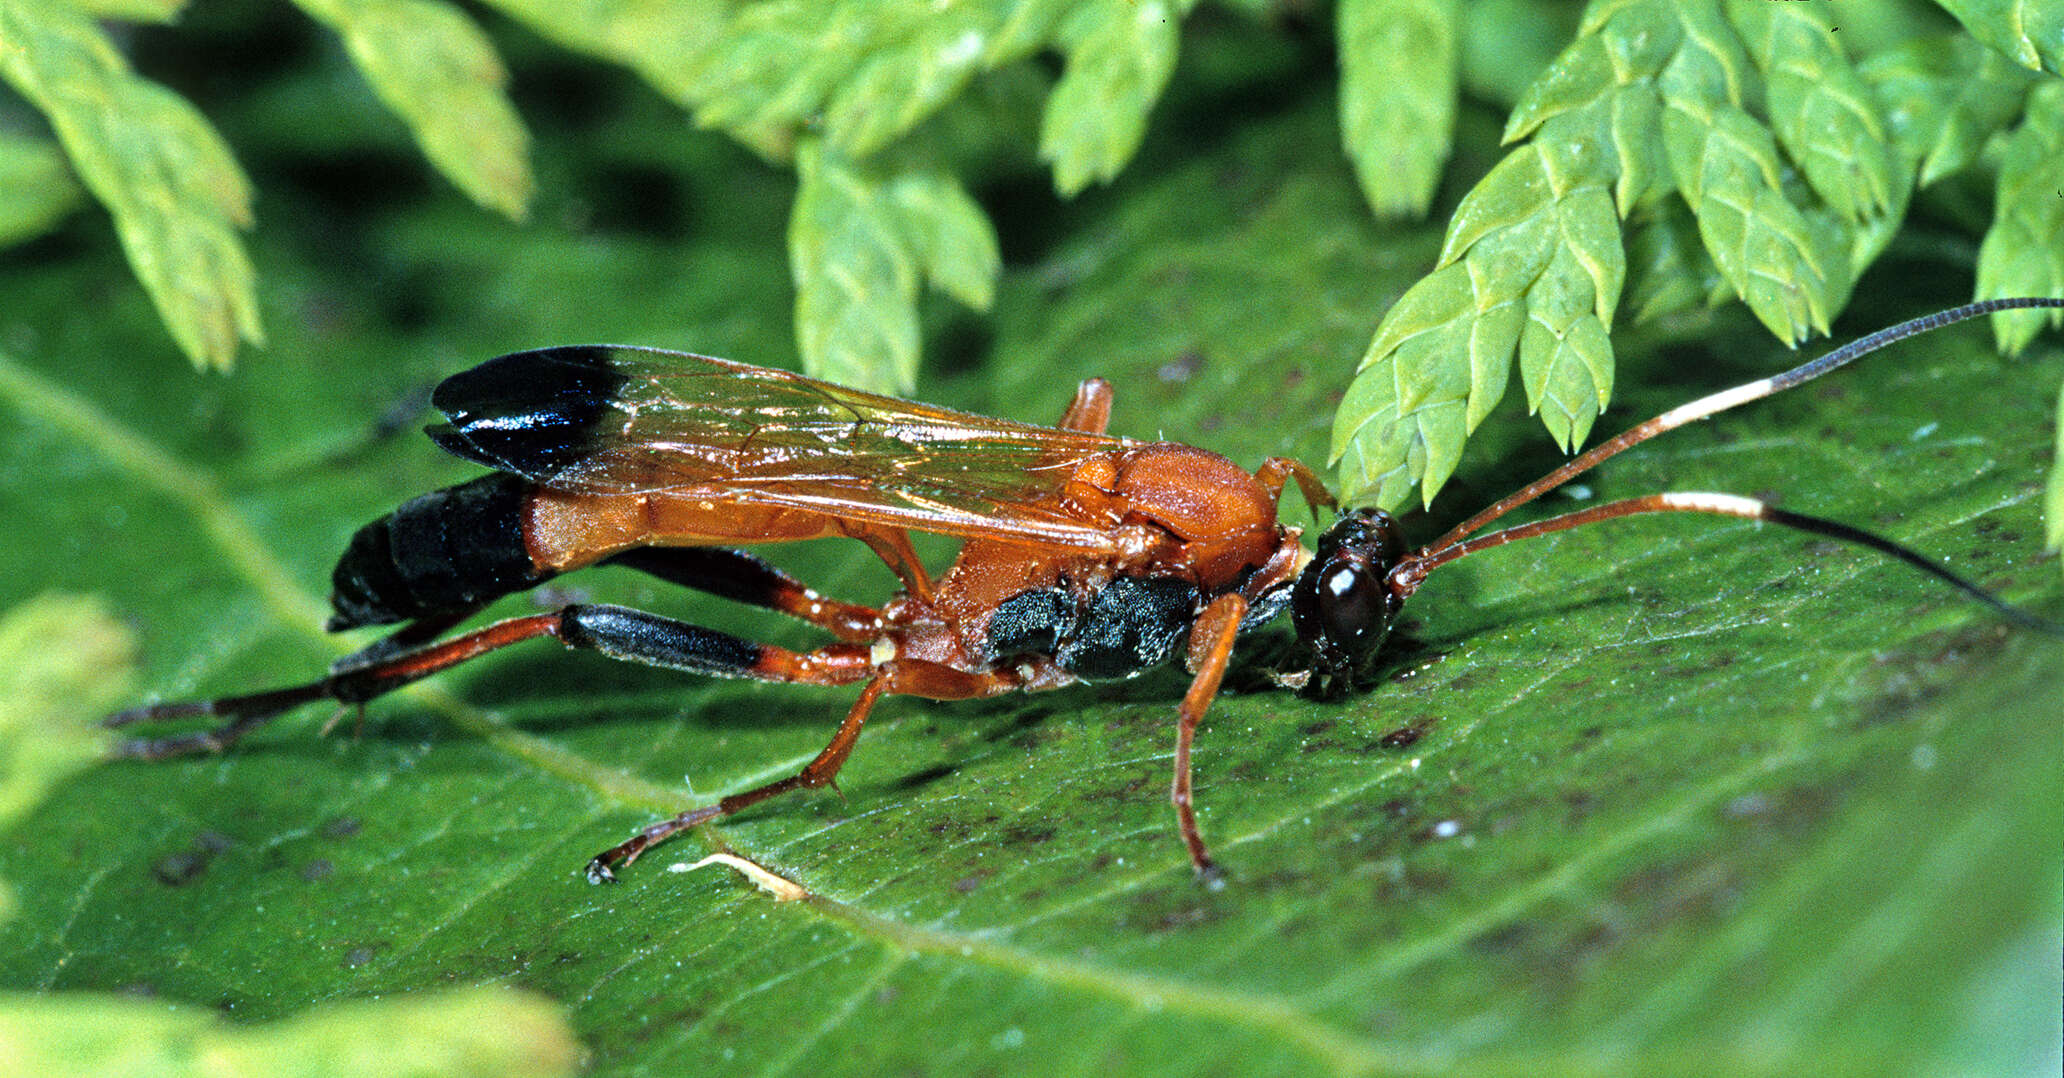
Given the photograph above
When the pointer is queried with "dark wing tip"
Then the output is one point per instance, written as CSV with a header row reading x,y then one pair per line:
x,y
531,413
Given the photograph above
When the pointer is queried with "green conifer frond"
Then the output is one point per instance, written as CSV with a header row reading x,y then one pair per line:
x,y
1745,155
1398,73
36,191
177,196
2023,253
438,72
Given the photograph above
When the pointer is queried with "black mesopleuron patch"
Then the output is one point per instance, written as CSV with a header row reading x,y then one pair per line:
x,y
531,413
1132,625
1031,623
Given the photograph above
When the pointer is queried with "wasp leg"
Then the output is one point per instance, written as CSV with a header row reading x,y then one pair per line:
x,y
896,676
1090,411
892,545
744,578
407,638
1276,471
616,631
1211,648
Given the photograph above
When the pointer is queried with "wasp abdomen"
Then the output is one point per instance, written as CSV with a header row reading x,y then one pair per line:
x,y
447,551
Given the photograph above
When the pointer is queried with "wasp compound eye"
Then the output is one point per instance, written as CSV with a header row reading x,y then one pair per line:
x,y
1342,603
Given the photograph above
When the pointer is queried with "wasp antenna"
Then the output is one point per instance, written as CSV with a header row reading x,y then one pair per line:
x,y
1729,398
1405,578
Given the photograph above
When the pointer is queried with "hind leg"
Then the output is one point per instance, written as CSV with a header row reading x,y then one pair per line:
x,y
619,632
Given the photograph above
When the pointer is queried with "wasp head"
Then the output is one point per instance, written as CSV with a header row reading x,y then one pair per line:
x,y
1342,603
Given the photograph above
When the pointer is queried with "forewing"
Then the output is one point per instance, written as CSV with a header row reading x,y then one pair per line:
x,y
614,420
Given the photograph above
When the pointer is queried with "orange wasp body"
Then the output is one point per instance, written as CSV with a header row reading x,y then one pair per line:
x,y
1084,557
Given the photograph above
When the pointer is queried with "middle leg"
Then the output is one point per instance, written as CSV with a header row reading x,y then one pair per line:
x,y
917,678
744,578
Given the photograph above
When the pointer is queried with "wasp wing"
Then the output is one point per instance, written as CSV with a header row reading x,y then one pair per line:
x,y
617,420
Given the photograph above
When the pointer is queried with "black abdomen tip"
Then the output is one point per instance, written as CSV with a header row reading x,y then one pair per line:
x,y
531,413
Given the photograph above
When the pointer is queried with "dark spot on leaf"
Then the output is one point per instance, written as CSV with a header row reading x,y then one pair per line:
x,y
1405,736
1505,937
1182,368
179,869
1028,836
359,956
969,882
186,866
318,869
1746,806
343,827
925,777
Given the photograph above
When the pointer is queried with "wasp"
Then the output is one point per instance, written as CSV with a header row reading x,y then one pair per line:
x,y
1085,556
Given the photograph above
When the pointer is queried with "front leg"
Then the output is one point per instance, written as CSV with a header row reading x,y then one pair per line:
x,y
1090,411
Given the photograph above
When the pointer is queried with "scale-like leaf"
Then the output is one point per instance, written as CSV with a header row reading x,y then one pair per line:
x,y
36,190
1659,103
176,194
2022,254
2031,32
856,277
1397,97
667,42
1727,168
158,11
948,233
1944,98
1120,54
440,74
60,656
1820,108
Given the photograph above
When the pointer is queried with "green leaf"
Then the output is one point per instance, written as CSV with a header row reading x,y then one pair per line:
x,y
1944,98
2030,32
855,275
669,43
481,1031
913,68
61,657
1119,56
859,237
1540,269
153,11
440,74
1726,166
1668,270
36,190
2053,501
176,195
1397,97
2021,255
948,233
1820,108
